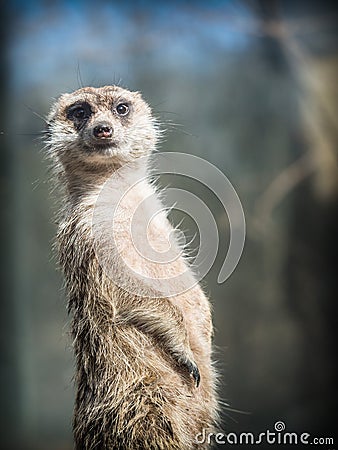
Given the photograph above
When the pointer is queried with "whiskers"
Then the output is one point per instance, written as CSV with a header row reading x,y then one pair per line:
x,y
170,124
37,135
37,114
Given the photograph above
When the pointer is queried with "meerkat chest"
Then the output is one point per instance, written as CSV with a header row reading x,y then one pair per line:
x,y
131,232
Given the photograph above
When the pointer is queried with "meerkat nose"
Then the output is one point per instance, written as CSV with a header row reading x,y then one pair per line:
x,y
103,131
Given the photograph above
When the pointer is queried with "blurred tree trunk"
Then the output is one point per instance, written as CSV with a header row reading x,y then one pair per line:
x,y
312,263
311,260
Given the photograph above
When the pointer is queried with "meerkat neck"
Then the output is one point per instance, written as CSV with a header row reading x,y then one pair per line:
x,y
88,179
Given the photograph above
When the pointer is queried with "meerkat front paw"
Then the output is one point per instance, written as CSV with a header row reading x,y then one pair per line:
x,y
194,372
188,365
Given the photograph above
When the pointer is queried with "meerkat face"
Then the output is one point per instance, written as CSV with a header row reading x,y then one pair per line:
x,y
98,124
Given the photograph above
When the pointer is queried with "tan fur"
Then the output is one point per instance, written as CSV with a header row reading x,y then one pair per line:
x,y
137,355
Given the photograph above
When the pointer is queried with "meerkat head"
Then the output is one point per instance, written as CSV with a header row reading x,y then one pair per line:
x,y
100,125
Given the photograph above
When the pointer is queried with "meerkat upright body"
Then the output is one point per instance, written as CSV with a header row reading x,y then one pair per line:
x,y
143,352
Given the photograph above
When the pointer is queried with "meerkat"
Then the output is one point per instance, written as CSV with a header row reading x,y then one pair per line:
x,y
144,374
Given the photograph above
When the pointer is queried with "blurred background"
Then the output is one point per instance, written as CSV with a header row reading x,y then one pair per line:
x,y
251,86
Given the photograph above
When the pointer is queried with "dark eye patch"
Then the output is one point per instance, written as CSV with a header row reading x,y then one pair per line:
x,y
79,112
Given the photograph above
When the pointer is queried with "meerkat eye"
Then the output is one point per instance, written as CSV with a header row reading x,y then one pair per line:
x,y
79,112
122,109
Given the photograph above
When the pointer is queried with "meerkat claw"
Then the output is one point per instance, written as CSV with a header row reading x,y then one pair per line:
x,y
193,371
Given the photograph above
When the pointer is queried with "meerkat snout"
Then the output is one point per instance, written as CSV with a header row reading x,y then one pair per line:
x,y
103,131
98,131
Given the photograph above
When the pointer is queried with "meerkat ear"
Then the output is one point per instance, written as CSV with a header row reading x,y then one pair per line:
x,y
57,104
